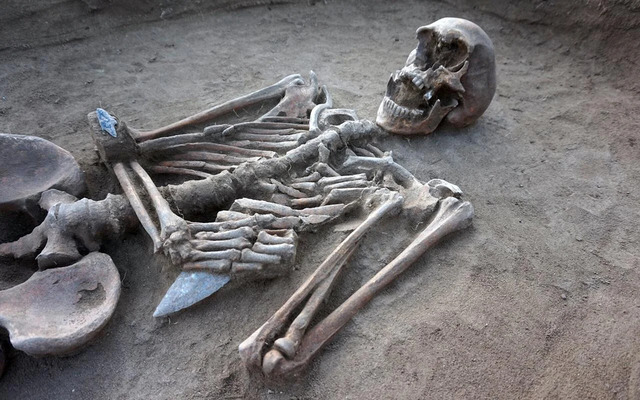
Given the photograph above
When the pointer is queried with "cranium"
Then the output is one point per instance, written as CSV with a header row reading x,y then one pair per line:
x,y
449,75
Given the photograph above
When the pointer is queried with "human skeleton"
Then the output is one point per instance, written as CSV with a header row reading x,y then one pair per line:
x,y
298,166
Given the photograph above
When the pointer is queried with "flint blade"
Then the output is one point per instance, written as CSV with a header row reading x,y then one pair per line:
x,y
189,288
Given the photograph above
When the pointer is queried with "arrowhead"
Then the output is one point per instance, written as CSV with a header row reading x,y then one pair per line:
x,y
189,288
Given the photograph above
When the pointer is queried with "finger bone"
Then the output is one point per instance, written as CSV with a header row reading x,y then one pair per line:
x,y
306,186
313,177
375,150
284,223
348,184
325,169
308,220
341,178
308,202
207,245
263,207
267,238
251,256
331,209
283,249
288,190
362,152
221,226
238,267
347,195
225,215
222,266
230,254
244,231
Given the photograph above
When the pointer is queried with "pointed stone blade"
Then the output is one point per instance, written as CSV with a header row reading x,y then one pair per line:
x,y
189,288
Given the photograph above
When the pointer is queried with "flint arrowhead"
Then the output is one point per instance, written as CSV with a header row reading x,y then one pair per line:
x,y
189,288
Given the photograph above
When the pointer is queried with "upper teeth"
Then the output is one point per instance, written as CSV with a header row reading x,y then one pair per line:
x,y
413,76
399,111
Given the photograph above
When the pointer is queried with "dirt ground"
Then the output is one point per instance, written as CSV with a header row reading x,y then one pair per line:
x,y
539,299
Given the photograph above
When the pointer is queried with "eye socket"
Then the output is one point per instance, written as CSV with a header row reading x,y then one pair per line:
x,y
451,53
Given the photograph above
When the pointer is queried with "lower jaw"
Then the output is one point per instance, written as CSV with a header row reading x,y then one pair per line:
x,y
398,125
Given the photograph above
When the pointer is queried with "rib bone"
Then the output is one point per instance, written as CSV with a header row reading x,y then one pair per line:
x,y
203,147
273,146
210,156
257,137
161,169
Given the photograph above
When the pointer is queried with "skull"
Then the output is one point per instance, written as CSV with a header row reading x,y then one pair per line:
x,y
450,75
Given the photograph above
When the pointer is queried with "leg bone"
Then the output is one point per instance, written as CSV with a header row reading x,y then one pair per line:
x,y
251,348
169,222
136,204
452,215
269,92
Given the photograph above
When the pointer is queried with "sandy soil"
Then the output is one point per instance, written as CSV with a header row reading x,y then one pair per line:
x,y
539,299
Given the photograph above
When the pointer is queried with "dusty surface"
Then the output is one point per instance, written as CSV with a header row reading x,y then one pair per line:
x,y
538,300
